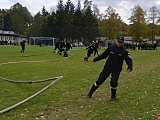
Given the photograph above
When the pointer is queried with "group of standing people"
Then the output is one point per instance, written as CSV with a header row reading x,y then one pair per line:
x,y
147,46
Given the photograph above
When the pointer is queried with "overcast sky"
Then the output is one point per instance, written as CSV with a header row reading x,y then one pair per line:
x,y
122,7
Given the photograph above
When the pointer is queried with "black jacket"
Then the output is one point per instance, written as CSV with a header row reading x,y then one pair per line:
x,y
116,56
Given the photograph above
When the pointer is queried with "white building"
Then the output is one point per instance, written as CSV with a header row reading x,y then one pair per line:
x,y
9,37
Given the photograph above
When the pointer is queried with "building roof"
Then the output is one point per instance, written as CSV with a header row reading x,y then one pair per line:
x,y
7,33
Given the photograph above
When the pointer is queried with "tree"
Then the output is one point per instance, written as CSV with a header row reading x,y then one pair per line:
x,y
68,21
96,12
45,31
90,25
44,11
87,4
2,13
153,17
21,18
48,27
7,22
138,27
35,27
111,24
77,22
60,17
52,24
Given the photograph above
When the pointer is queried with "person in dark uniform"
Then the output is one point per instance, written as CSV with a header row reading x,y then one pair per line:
x,y
96,46
109,44
115,55
22,43
90,49
68,47
57,46
61,47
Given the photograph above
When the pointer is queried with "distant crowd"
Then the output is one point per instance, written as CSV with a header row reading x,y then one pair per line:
x,y
141,46
147,46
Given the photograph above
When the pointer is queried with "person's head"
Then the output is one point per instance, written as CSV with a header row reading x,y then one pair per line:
x,y
119,41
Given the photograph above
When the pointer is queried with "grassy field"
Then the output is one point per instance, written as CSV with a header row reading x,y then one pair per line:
x,y
138,92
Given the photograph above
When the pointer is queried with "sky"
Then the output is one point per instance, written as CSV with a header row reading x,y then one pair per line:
x,y
122,7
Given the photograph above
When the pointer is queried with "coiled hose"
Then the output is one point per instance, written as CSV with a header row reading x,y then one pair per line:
x,y
56,79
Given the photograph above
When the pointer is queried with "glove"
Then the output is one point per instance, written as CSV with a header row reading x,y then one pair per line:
x,y
129,70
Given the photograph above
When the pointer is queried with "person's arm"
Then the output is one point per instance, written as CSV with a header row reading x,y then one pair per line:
x,y
102,56
129,62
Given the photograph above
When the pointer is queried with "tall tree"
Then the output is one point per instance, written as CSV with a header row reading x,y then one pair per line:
x,y
110,25
77,22
7,22
87,4
153,17
35,27
44,11
45,31
90,25
69,17
60,18
22,15
48,28
138,27
2,13
96,12
52,24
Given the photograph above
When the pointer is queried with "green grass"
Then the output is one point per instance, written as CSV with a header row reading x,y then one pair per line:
x,y
138,92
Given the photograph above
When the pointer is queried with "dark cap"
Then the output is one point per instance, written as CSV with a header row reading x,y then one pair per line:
x,y
120,39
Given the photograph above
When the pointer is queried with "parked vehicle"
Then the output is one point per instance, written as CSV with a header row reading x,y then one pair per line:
x,y
77,44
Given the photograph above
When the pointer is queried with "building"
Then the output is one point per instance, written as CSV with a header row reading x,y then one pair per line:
x,y
157,38
11,38
128,40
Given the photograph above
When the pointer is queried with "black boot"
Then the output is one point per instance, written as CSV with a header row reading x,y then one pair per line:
x,y
65,54
85,58
113,94
89,95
